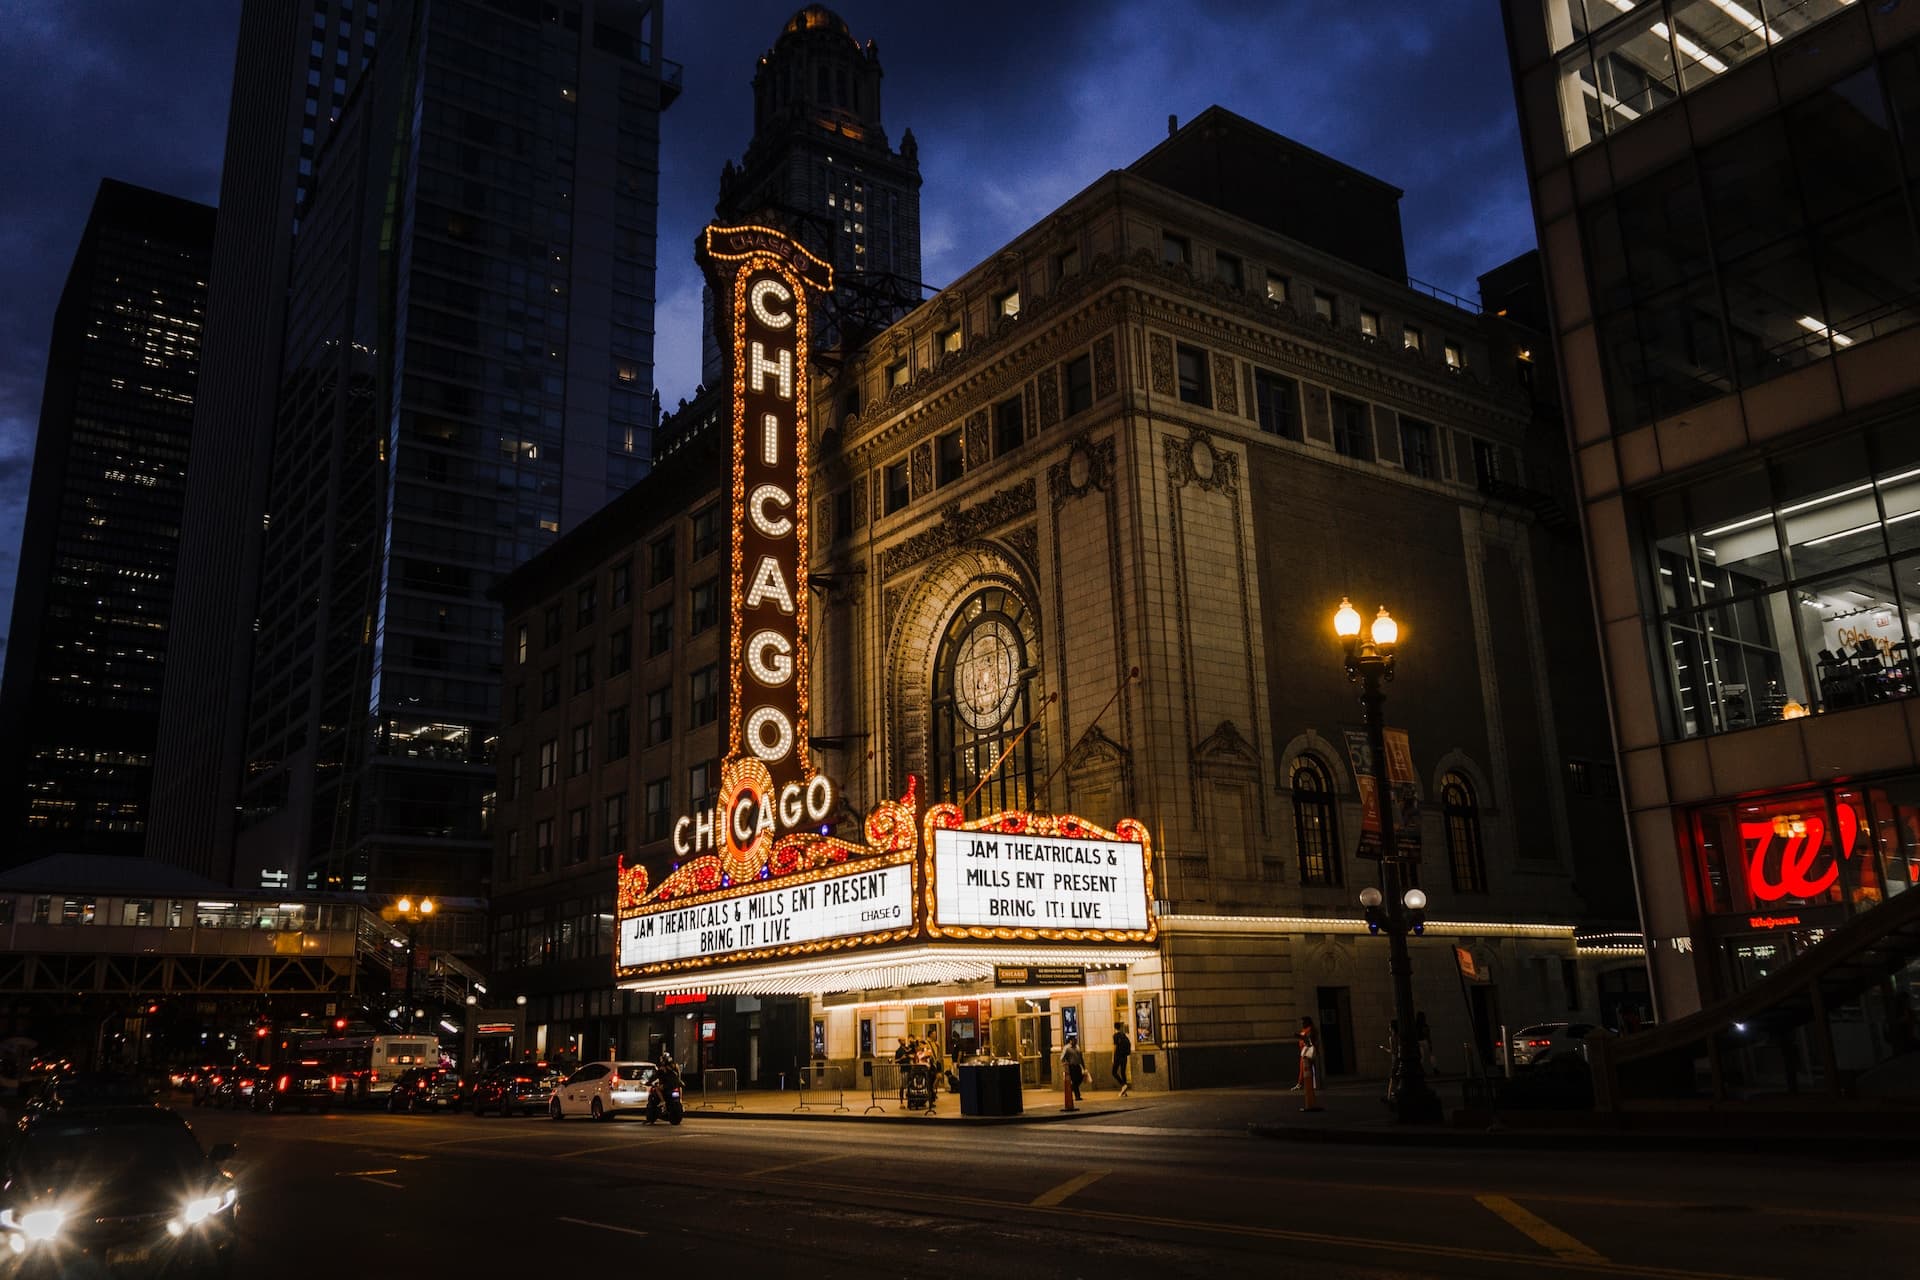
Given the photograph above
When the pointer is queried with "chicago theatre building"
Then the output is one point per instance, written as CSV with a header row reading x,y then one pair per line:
x,y
987,689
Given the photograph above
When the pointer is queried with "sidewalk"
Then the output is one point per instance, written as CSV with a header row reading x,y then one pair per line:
x,y
1039,1106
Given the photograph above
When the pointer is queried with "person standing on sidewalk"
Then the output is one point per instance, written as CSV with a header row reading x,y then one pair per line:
x,y
1122,1050
1072,1068
1309,1064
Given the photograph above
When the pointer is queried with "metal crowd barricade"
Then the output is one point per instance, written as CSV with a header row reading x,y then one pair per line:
x,y
820,1077
719,1084
883,1077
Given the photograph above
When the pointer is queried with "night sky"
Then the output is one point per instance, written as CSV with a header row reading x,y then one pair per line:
x,y
1015,106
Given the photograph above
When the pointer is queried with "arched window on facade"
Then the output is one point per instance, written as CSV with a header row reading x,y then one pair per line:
x,y
1315,833
982,676
1465,853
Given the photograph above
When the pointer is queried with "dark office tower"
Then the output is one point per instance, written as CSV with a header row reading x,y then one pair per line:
x,y
468,371
81,696
819,165
295,61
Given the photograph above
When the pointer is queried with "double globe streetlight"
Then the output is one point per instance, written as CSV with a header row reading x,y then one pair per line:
x,y
1396,907
414,912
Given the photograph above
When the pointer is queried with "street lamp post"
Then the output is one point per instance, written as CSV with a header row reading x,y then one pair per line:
x,y
1397,904
413,913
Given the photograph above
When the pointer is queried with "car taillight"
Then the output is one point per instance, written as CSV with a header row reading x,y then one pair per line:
x,y
1538,1044
283,1084
376,1077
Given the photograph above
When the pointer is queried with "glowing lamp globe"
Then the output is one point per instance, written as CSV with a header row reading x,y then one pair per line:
x,y
1346,621
1416,899
1369,897
1385,630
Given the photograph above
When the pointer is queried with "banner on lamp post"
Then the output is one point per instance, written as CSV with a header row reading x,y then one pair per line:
x,y
1403,798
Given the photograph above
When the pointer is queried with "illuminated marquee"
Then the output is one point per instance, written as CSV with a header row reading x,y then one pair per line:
x,y
1033,876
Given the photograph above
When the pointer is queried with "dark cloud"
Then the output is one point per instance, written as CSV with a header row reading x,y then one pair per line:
x,y
1016,107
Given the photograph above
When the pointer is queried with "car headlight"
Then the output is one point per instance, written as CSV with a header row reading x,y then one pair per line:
x,y
38,1225
199,1210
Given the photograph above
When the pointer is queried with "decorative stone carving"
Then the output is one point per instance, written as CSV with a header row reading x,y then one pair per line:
x,y
921,470
1089,465
1226,392
1049,381
859,502
978,442
1097,752
1225,747
1200,458
958,524
1104,379
1196,460
1025,543
1160,363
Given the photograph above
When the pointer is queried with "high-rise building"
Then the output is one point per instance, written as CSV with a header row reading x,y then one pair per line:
x,y
820,165
295,61
81,697
467,371
1724,199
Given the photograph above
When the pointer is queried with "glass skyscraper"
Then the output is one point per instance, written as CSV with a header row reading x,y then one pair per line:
x,y
467,371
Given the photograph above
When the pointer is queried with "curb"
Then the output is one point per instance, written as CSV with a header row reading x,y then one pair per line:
x,y
943,1119
1567,1140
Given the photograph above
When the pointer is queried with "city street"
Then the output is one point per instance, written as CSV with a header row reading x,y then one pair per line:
x,y
1170,1190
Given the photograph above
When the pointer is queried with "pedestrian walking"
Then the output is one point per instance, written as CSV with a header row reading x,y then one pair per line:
x,y
902,1059
1072,1068
1122,1050
1309,1064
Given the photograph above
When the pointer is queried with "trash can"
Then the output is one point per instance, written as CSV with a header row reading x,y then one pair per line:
x,y
990,1089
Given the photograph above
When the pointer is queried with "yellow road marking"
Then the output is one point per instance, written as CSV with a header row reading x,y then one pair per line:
x,y
1054,1195
1539,1230
797,1164
362,1173
587,1151
384,1183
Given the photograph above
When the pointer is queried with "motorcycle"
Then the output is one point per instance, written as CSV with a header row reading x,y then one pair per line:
x,y
665,1102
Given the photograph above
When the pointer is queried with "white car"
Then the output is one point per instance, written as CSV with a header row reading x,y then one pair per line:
x,y
602,1090
1544,1040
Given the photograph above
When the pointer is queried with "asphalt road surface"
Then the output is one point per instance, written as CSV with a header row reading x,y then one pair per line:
x,y
354,1194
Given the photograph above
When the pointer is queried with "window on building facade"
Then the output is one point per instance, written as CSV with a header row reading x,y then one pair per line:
x,y
517,705
948,458
582,750
703,785
659,716
659,801
552,625
1009,426
549,762
543,845
1352,429
1369,323
1788,586
1487,466
896,486
619,734
660,561
1276,404
520,643
898,374
1065,263
1277,286
1079,379
708,526
1007,304
842,511
703,606
1175,249
513,776
1315,834
1460,812
615,837
1580,777
1228,270
703,696
578,841
1324,307
620,585
1417,453
1412,339
620,651
510,856
584,600
949,341
1456,356
981,703
549,688
659,630
1195,386
583,670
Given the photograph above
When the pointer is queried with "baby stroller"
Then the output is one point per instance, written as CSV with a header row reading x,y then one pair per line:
x,y
919,1087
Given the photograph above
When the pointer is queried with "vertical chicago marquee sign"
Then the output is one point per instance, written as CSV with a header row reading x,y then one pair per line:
x,y
758,878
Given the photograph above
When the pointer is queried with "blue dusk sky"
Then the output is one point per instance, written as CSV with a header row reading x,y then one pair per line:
x,y
1015,108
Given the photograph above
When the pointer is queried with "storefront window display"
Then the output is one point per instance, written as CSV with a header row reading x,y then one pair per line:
x,y
1789,587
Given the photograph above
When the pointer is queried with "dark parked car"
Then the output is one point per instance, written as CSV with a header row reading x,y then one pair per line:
x,y
90,1089
301,1087
428,1089
516,1089
236,1089
155,1203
